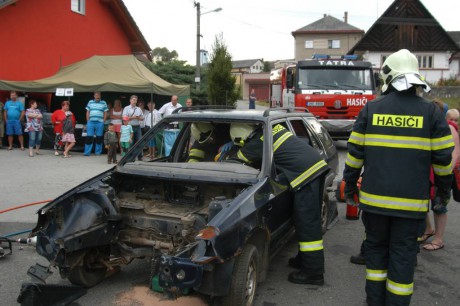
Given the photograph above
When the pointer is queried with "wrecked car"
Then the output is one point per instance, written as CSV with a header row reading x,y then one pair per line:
x,y
210,226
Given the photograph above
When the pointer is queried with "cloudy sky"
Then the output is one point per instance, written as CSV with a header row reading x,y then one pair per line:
x,y
257,28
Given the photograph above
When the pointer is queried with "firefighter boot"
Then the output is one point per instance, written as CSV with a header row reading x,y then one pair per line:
x,y
301,277
294,262
358,259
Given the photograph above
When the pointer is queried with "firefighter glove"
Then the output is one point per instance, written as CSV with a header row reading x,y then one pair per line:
x,y
226,147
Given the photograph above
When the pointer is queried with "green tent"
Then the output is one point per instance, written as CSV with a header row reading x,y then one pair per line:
x,y
119,73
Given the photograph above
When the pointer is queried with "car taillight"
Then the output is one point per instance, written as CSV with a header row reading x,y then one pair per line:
x,y
207,233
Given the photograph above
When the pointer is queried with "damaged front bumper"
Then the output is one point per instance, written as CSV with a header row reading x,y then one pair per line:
x,y
181,273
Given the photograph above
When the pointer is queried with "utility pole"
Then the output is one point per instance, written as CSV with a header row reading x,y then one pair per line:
x,y
198,51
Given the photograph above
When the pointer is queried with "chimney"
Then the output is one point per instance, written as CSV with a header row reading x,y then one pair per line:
x,y
345,17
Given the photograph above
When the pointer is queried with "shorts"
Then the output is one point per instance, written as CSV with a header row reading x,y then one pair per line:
x,y
68,137
2,130
13,127
438,211
152,143
117,128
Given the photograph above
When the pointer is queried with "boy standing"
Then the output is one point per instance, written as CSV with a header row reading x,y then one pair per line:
x,y
110,142
126,137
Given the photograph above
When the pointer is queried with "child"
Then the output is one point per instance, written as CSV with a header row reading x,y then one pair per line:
x,y
111,144
126,137
68,137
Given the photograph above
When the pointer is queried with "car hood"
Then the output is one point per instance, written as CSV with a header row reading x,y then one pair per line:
x,y
204,171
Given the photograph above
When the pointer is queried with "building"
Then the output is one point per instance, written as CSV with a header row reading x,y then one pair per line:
x,y
407,24
39,37
249,75
327,35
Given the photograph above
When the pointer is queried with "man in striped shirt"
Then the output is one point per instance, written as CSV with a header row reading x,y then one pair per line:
x,y
96,113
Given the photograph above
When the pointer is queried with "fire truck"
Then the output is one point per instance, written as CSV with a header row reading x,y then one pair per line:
x,y
334,89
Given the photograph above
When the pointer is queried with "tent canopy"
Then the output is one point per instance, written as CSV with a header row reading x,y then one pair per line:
x,y
121,73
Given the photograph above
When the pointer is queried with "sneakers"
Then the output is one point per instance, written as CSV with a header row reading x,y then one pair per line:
x,y
303,278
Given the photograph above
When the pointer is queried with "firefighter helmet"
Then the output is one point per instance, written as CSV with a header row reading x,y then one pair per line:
x,y
400,69
202,132
239,132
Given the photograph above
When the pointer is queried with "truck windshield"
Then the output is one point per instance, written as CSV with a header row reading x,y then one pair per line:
x,y
334,78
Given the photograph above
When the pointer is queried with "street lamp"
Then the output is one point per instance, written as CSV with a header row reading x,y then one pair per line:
x,y
198,36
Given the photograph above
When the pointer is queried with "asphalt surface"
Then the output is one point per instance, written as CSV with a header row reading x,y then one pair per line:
x,y
24,179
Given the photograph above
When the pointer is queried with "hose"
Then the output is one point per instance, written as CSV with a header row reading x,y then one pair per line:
x,y
22,206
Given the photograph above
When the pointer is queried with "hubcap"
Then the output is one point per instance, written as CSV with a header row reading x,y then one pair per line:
x,y
251,283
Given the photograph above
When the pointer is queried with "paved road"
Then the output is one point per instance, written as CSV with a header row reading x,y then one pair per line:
x,y
24,179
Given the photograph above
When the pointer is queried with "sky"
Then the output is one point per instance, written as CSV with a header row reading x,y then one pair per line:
x,y
254,29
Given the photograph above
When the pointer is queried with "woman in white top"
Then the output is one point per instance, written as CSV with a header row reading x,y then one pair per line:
x,y
150,120
115,116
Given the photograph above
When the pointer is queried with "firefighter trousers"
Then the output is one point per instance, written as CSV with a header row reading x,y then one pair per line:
x,y
307,222
390,250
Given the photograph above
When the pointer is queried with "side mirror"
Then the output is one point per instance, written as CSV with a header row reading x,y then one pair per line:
x,y
289,78
377,79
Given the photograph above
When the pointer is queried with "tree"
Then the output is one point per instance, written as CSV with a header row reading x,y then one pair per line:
x,y
222,89
164,55
267,66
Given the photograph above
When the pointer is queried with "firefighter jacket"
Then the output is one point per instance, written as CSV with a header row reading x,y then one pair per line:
x,y
300,162
396,139
200,152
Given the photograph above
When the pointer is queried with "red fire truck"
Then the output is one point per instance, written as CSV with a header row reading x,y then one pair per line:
x,y
334,89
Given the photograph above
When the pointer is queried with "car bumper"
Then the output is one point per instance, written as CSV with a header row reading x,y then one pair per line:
x,y
338,128
177,272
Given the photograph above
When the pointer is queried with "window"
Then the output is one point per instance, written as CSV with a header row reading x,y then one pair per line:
x,y
309,44
333,44
78,6
425,61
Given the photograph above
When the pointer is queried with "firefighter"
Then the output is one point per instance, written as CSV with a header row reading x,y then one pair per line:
x,y
396,139
209,141
305,170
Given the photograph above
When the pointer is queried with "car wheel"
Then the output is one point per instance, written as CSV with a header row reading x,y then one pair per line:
x,y
244,278
90,272
324,212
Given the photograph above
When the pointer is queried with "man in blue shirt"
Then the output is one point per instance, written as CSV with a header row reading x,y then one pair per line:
x,y
96,113
14,113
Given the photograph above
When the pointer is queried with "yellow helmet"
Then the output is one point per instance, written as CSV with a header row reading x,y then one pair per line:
x,y
400,69
202,131
239,132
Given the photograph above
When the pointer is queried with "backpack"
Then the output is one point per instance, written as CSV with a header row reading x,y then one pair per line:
x,y
67,125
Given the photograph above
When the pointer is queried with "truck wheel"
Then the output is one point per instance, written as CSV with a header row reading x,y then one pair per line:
x,y
244,278
324,212
89,273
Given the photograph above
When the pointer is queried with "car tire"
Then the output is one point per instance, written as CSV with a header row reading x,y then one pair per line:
x,y
86,274
324,212
244,279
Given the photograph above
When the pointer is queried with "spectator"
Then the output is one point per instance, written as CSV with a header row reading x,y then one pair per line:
x,y
2,124
96,113
440,213
135,116
116,115
252,99
141,105
188,103
68,129
13,114
110,142
57,118
126,137
34,127
169,107
151,119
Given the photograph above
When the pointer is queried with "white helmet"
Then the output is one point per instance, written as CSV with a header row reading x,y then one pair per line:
x,y
202,131
239,132
400,69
